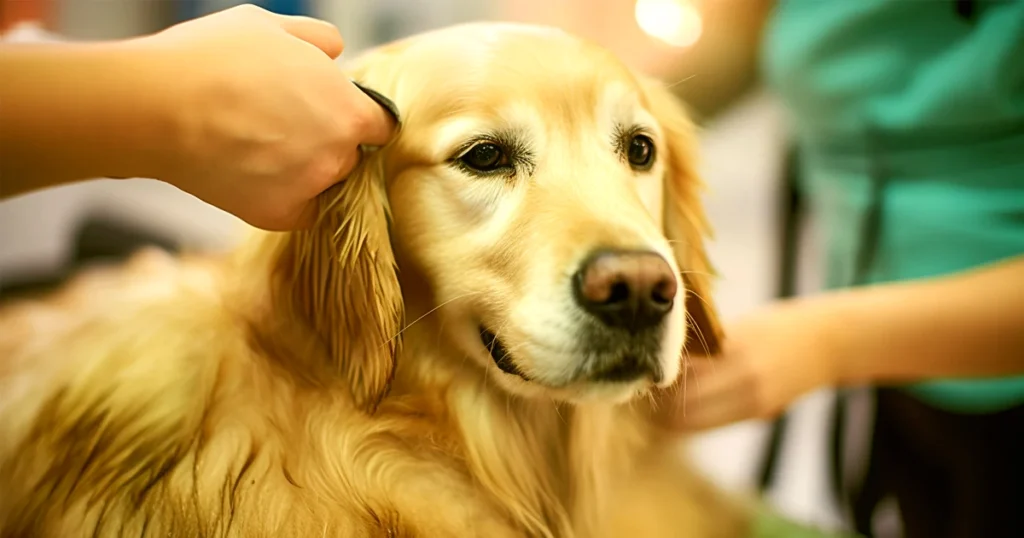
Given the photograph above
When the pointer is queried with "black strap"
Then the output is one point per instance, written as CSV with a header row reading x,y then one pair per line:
x,y
381,100
792,212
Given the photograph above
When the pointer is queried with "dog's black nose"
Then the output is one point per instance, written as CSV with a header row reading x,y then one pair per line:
x,y
626,290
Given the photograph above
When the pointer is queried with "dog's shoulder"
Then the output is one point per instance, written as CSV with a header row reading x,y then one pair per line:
x,y
103,385
138,399
139,318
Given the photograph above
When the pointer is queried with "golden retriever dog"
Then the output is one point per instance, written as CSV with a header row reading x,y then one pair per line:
x,y
467,344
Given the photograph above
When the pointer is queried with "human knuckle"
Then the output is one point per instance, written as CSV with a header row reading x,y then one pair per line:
x,y
360,121
249,9
324,169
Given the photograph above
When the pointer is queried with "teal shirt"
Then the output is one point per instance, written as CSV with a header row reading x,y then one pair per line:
x,y
910,119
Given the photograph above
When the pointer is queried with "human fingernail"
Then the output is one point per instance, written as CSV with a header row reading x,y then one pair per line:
x,y
381,100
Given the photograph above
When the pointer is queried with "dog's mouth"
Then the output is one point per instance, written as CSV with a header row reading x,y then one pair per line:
x,y
622,366
630,367
499,353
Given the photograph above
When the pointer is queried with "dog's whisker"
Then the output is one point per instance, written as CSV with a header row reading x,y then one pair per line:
x,y
429,312
688,366
558,412
701,299
516,347
691,272
700,334
681,81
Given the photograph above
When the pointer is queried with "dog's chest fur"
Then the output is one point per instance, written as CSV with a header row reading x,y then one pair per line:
x,y
169,422
155,410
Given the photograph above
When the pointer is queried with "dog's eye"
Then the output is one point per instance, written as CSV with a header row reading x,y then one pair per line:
x,y
640,152
485,157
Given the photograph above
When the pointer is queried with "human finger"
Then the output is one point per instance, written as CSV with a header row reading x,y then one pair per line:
x,y
713,413
712,398
377,116
321,34
710,379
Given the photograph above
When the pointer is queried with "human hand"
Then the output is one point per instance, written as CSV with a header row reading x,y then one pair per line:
x,y
264,119
768,360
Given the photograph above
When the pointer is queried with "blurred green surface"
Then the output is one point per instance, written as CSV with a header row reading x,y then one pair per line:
x,y
771,525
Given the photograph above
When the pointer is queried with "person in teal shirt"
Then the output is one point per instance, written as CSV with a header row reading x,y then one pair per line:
x,y
909,120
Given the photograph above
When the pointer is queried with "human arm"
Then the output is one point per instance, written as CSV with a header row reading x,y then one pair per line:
x,y
75,111
244,109
969,324
966,325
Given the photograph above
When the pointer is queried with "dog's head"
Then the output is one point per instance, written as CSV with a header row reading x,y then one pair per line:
x,y
545,194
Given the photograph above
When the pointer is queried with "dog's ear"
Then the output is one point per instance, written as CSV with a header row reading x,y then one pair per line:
x,y
340,278
684,221
339,284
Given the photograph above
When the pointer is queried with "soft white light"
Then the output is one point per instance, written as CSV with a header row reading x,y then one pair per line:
x,y
676,22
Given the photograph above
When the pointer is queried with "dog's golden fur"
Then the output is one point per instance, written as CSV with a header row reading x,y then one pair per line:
x,y
327,383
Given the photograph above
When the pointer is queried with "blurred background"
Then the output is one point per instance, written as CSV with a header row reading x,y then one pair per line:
x,y
698,45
